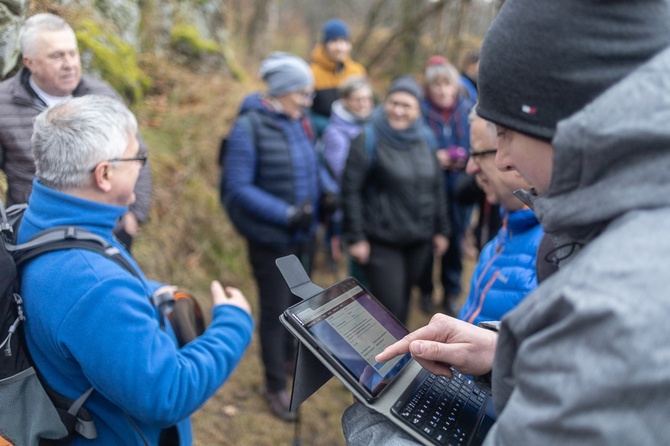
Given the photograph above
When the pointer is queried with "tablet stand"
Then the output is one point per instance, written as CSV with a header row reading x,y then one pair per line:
x,y
309,374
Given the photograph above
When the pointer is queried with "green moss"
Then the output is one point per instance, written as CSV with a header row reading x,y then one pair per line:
x,y
115,59
186,40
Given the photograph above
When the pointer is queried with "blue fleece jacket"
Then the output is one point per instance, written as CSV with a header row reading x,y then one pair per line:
x,y
505,271
90,323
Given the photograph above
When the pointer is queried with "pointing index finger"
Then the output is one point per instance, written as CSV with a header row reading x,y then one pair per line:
x,y
399,348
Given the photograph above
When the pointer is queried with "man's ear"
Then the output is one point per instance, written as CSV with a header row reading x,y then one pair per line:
x,y
28,63
102,177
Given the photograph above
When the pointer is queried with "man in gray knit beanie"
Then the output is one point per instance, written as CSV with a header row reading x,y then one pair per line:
x,y
579,92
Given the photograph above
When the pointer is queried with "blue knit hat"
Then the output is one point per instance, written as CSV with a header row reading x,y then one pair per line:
x,y
285,73
335,29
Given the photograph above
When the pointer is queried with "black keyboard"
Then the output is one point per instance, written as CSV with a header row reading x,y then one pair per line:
x,y
442,409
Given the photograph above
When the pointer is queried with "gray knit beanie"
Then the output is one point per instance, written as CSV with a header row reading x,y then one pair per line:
x,y
543,60
285,73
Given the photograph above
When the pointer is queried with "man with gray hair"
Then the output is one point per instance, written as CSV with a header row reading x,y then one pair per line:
x,y
90,322
52,74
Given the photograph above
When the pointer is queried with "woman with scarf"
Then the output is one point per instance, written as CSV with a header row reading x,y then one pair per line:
x,y
395,207
445,110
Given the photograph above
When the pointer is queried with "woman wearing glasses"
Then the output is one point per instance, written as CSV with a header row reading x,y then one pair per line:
x,y
270,189
349,113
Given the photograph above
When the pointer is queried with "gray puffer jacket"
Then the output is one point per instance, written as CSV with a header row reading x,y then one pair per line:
x,y
19,106
585,359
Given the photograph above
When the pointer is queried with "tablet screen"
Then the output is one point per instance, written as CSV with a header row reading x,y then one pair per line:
x,y
352,327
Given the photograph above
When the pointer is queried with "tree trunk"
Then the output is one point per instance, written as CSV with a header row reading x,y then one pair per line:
x,y
259,30
410,39
368,27
409,25
457,41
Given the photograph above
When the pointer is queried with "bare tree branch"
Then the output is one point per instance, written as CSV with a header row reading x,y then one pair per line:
x,y
370,21
407,26
457,42
258,32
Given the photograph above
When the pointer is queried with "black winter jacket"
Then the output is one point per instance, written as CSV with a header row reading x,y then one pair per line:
x,y
396,196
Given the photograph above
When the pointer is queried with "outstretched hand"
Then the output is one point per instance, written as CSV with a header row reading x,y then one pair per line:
x,y
229,296
447,342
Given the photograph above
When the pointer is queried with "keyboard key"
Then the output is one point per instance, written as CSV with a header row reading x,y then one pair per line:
x,y
441,438
441,406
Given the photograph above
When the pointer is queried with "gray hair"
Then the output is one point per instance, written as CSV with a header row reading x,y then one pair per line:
x,y
71,138
37,24
442,71
489,125
351,84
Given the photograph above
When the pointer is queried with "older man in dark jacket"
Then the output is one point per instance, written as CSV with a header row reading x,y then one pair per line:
x,y
52,74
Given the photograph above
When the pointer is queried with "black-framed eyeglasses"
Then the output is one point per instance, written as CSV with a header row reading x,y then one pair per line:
x,y
142,159
476,155
307,95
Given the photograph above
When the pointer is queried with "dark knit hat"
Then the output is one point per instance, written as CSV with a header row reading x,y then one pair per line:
x,y
407,84
285,73
543,60
335,29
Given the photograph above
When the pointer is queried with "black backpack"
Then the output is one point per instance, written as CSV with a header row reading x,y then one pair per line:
x,y
30,412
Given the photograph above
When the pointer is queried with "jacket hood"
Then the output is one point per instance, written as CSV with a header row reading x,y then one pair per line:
x,y
341,115
256,102
613,156
251,102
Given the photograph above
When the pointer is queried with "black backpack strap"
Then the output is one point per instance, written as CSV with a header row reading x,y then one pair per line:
x,y
67,237
4,224
15,214
370,145
72,237
73,414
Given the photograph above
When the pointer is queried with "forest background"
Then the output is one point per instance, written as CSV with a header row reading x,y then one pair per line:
x,y
184,66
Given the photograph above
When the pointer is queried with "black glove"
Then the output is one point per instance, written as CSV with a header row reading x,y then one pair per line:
x,y
328,205
300,218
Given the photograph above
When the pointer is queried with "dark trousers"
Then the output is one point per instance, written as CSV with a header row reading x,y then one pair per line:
x,y
392,271
451,266
277,344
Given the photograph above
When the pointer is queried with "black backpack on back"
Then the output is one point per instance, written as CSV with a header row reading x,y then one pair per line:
x,y
30,412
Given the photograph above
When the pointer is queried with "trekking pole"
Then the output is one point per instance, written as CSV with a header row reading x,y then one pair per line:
x,y
296,428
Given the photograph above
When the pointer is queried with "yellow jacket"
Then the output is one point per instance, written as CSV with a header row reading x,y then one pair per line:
x,y
327,77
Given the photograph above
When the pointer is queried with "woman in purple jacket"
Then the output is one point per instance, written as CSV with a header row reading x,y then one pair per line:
x,y
348,115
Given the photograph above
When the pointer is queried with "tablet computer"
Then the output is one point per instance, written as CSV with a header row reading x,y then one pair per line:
x,y
349,327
